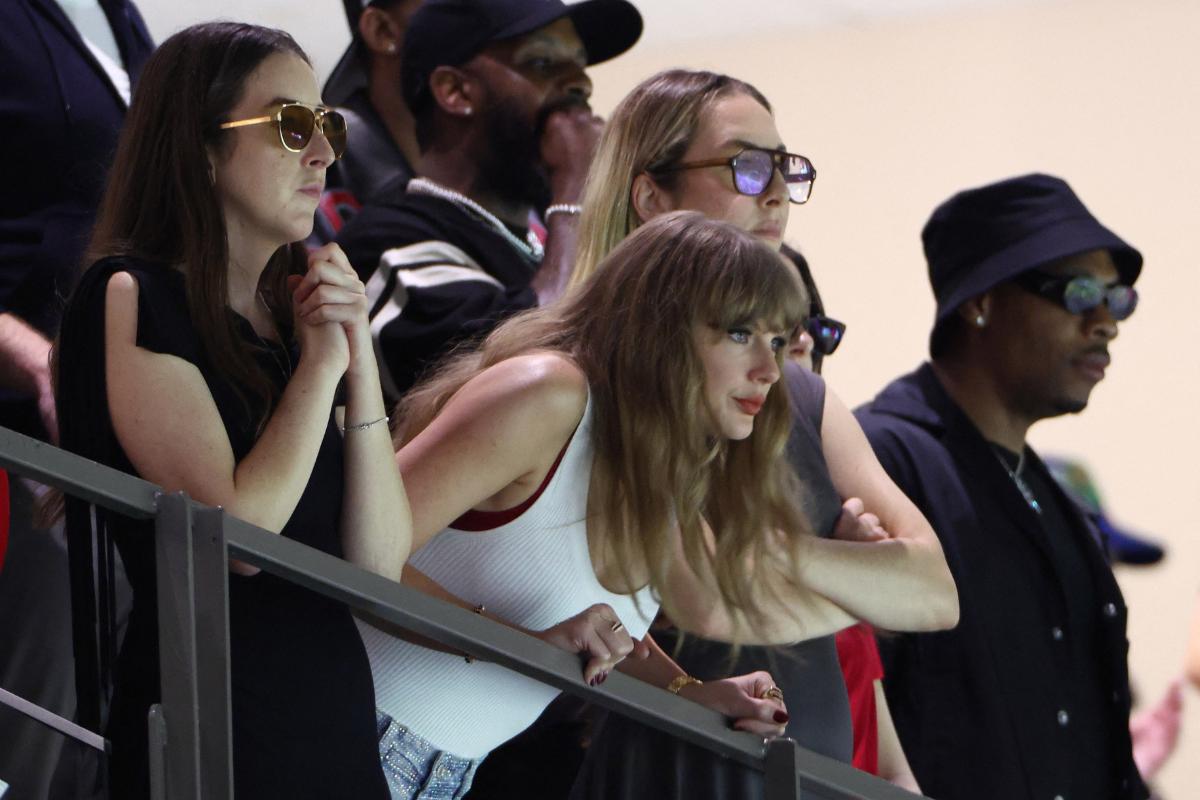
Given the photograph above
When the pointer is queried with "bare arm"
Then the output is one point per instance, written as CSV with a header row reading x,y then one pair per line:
x,y
25,366
893,764
376,523
568,144
901,583
167,422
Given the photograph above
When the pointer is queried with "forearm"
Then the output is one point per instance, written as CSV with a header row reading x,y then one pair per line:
x,y
898,584
269,480
552,276
893,764
24,356
376,520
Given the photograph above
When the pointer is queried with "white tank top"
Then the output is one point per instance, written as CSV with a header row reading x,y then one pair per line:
x,y
535,572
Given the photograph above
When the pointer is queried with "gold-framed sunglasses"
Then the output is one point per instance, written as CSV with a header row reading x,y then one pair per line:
x,y
296,123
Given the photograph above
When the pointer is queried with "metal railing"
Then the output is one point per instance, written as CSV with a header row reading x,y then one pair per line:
x,y
190,732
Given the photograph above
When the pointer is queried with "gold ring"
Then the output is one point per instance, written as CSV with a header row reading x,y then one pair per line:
x,y
773,693
617,626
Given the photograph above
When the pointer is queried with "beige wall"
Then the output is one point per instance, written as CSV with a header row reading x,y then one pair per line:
x,y
900,115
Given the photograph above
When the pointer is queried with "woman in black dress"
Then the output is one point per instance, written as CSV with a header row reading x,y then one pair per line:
x,y
202,351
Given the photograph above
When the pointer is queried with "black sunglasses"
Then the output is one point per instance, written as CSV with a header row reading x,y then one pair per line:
x,y
753,168
826,333
1079,294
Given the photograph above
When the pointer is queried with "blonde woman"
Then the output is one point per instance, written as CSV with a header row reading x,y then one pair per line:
x,y
618,451
698,140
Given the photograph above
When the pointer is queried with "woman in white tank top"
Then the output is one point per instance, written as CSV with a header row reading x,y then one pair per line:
x,y
632,444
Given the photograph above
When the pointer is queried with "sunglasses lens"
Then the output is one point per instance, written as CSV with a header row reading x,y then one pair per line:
x,y
296,127
798,173
826,334
1081,295
1122,301
752,171
333,125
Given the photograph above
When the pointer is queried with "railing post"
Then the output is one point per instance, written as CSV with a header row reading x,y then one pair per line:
x,y
781,779
193,598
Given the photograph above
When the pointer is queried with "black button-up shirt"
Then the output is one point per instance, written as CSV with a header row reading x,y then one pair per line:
x,y
1029,696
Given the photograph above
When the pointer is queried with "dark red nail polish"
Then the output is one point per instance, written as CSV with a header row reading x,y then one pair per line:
x,y
601,678
781,717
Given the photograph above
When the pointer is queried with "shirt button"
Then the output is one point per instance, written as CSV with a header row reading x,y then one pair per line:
x,y
1056,633
1110,610
1063,718
1116,696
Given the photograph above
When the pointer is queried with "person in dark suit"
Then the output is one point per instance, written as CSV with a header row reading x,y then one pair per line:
x,y
64,88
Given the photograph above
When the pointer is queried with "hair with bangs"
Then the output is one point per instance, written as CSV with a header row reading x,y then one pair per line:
x,y
630,330
649,131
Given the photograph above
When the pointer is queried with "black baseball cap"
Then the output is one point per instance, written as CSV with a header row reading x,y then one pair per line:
x,y
451,32
983,237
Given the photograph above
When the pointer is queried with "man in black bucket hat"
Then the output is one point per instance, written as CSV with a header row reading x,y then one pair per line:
x,y
499,93
1029,696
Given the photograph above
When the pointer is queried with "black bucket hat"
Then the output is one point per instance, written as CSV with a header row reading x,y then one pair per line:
x,y
982,237
451,32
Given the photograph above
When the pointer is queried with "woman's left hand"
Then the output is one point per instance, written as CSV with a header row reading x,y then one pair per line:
x,y
331,292
752,701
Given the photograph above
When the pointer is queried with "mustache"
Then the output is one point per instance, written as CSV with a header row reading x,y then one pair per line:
x,y
568,102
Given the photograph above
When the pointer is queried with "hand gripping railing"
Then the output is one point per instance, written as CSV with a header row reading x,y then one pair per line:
x,y
191,752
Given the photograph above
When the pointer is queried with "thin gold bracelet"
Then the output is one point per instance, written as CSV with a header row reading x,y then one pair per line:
x,y
677,684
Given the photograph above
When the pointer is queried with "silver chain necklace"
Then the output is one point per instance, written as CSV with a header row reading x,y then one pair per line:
x,y
531,247
1015,474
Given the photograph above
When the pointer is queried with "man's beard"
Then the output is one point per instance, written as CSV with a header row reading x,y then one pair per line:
x,y
511,167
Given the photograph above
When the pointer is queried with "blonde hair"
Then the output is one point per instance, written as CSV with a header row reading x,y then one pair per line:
x,y
657,466
650,130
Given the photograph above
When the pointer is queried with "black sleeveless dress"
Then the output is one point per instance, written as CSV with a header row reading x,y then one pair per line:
x,y
302,698
627,760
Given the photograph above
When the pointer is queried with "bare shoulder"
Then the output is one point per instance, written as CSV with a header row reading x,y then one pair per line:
x,y
545,390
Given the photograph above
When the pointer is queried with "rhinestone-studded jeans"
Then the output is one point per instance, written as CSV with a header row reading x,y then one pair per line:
x,y
416,770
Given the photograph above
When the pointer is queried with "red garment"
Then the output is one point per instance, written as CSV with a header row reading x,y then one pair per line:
x,y
3,515
861,667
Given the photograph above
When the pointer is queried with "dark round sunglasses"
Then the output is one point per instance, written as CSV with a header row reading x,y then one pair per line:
x,y
296,123
1080,294
753,168
826,333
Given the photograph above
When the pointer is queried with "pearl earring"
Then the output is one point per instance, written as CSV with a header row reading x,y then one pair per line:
x,y
980,321
391,48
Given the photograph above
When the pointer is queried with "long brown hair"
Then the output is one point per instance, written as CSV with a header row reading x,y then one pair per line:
x,y
656,461
650,130
160,204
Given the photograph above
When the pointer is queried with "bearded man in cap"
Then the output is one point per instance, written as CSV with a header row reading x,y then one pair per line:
x,y
1029,696
499,94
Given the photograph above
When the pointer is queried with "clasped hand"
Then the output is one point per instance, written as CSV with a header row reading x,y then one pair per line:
x,y
329,312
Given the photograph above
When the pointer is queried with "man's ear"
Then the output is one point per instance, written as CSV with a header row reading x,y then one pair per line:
x,y
380,32
455,91
648,199
976,312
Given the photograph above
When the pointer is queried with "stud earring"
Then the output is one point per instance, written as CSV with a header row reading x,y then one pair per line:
x,y
980,321
467,111
391,48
